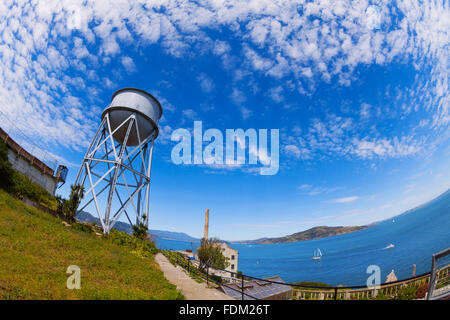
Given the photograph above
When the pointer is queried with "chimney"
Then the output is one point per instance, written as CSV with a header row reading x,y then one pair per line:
x,y
205,234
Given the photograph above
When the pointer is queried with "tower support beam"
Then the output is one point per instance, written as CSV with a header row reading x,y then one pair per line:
x,y
117,164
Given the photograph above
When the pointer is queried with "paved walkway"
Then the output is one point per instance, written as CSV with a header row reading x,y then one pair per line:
x,y
191,289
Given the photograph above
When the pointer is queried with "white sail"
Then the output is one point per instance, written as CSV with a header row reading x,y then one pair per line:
x,y
317,254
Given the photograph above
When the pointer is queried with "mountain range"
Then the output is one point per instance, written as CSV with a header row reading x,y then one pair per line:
x,y
313,233
123,226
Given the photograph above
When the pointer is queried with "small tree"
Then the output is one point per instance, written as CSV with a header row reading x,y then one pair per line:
x,y
6,170
68,208
210,253
140,229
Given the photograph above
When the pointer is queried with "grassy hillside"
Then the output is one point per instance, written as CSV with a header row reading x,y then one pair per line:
x,y
36,249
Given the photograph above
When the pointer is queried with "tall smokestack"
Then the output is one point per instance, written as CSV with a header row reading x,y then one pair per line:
x,y
205,234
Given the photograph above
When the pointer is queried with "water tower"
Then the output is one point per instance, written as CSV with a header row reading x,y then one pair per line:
x,y
115,171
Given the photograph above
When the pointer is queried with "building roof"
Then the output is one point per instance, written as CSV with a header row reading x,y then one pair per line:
x,y
257,289
224,244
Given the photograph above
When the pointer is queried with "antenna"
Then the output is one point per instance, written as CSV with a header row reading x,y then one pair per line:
x,y
115,171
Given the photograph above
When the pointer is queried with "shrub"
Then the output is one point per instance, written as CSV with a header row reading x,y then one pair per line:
x,y
210,253
421,291
216,279
311,283
68,208
82,227
407,293
140,247
6,170
140,230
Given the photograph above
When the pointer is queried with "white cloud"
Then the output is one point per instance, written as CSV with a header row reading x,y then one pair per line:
x,y
365,110
386,147
128,63
206,83
238,96
345,200
276,94
342,137
190,114
292,150
221,47
40,41
245,112
316,190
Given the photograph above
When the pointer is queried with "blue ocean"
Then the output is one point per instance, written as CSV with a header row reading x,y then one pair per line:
x,y
416,235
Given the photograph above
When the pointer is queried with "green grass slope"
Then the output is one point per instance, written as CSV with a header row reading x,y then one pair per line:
x,y
36,249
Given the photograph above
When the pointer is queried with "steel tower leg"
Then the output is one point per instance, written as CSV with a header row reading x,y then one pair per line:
x,y
103,167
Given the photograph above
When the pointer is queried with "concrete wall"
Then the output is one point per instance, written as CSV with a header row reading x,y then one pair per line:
x,y
232,255
36,175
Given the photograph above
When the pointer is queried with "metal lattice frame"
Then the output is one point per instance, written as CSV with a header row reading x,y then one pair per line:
x,y
434,276
109,166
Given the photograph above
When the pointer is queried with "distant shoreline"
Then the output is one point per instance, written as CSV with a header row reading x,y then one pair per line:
x,y
310,234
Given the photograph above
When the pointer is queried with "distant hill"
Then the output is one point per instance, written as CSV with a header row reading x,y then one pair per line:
x,y
445,194
313,233
123,226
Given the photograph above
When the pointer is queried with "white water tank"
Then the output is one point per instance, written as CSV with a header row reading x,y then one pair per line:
x,y
146,108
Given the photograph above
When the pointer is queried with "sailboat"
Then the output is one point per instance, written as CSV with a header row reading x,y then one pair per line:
x,y
317,254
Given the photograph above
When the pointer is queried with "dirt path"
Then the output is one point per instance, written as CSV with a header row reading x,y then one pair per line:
x,y
191,289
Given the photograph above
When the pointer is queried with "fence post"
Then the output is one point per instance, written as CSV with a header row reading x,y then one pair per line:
x,y
335,293
207,275
242,286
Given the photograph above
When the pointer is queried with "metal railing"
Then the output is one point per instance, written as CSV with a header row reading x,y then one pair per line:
x,y
308,292
437,274
177,258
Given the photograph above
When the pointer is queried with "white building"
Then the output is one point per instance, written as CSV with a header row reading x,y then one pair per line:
x,y
232,256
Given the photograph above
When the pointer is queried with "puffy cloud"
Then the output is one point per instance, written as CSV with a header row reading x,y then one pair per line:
x,y
128,64
206,83
345,200
342,137
41,41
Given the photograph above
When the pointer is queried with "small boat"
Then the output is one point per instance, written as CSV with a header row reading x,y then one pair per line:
x,y
390,246
317,254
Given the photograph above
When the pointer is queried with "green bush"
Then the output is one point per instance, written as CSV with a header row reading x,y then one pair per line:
x,y
216,279
311,283
68,208
422,290
210,253
407,293
140,247
140,230
82,227
6,170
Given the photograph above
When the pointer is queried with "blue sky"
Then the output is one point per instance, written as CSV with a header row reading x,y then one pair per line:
x,y
358,89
